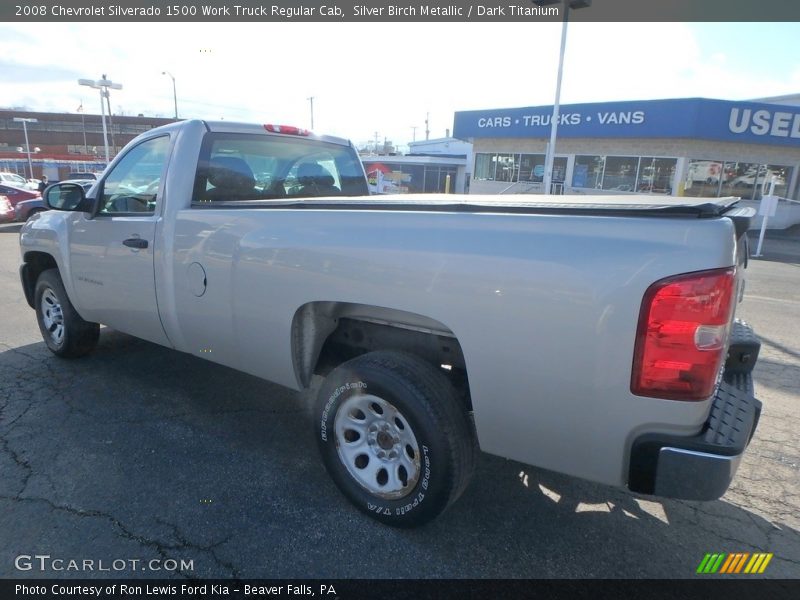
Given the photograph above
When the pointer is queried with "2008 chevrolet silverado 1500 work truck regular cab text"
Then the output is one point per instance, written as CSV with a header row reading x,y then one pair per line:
x,y
594,337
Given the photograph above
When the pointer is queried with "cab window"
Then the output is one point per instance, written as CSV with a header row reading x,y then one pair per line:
x,y
132,186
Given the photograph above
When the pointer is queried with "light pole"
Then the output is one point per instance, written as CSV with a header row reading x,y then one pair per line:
x,y
311,100
174,92
25,122
103,85
551,147
83,127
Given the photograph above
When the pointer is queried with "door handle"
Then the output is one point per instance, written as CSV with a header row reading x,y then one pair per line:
x,y
135,243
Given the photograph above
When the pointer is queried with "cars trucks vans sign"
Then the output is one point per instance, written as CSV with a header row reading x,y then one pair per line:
x,y
695,118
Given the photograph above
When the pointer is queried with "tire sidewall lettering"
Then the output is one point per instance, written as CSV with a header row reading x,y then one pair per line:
x,y
337,393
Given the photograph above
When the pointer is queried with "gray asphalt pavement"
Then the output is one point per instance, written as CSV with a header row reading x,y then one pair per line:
x,y
140,453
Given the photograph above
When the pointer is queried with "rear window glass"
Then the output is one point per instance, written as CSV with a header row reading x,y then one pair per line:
x,y
236,167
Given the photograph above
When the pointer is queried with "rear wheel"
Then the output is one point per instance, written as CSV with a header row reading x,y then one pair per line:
x,y
395,437
63,330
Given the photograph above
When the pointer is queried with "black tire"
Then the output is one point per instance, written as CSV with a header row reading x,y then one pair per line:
x,y
64,331
420,409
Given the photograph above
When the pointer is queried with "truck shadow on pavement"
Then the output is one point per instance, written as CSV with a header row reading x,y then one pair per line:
x,y
137,451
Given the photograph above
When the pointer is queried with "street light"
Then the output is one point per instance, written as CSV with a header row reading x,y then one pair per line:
x,y
103,85
551,147
174,92
25,122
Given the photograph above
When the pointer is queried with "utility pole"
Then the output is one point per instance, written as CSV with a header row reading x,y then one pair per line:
x,y
311,100
25,122
427,128
550,152
103,85
413,133
110,122
174,92
376,142
83,127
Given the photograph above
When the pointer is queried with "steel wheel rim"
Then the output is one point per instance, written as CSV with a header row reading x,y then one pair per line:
x,y
377,446
53,316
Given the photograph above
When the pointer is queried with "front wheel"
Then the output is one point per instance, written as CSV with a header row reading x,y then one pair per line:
x,y
394,437
63,330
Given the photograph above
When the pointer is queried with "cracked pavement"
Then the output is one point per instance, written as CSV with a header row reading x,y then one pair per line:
x,y
140,452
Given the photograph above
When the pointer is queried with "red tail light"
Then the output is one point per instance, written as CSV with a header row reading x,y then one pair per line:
x,y
682,336
287,129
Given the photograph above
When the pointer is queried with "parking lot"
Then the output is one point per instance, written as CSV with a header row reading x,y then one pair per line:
x,y
141,453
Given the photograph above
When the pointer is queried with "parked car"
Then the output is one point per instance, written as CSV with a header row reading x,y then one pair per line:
x,y
18,181
86,175
27,208
16,194
763,178
7,213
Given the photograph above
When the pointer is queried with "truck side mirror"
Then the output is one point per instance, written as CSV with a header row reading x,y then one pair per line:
x,y
67,196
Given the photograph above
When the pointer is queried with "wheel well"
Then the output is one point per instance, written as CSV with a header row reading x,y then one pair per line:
x,y
35,264
326,334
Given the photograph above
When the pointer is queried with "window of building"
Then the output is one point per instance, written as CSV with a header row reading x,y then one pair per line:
x,y
483,166
656,175
750,181
496,167
505,167
436,179
704,177
517,167
588,171
620,173
531,167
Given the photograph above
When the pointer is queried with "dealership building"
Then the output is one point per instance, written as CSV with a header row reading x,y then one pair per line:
x,y
438,165
676,147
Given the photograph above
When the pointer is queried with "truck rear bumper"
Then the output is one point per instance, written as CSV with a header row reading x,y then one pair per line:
x,y
699,467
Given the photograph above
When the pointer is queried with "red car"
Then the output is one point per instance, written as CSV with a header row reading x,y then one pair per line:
x,y
16,194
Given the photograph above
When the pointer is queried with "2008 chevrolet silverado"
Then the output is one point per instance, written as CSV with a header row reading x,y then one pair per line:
x,y
594,337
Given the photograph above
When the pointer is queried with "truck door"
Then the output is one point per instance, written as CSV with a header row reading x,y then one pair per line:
x,y
112,254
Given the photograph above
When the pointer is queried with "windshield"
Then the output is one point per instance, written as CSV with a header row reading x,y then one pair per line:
x,y
13,179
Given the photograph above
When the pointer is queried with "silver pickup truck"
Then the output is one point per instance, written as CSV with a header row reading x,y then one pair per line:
x,y
591,336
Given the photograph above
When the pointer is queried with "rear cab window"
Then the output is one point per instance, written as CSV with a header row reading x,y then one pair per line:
x,y
235,167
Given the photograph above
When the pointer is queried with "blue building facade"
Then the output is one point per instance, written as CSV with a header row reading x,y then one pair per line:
x,y
689,146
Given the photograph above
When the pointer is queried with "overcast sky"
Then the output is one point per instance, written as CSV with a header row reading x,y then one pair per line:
x,y
383,77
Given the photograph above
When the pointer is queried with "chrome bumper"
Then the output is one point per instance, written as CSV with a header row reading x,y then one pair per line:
x,y
699,467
